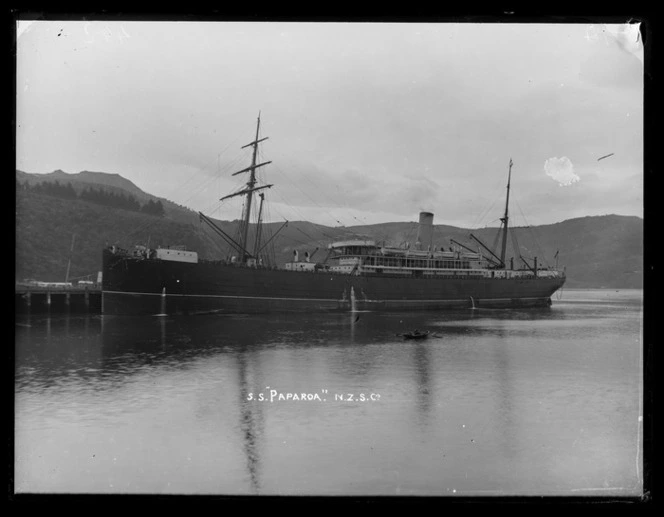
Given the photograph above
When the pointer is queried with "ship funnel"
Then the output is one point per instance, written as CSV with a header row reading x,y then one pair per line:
x,y
425,231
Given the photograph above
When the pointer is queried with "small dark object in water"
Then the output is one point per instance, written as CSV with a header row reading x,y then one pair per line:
x,y
415,334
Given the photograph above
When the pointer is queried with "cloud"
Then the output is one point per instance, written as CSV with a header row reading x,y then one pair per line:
x,y
561,170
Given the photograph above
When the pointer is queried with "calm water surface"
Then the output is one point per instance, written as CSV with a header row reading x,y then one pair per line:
x,y
495,402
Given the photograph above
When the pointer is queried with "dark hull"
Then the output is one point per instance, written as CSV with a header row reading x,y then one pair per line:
x,y
141,286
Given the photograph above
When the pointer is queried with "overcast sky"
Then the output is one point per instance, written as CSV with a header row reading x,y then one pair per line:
x,y
367,123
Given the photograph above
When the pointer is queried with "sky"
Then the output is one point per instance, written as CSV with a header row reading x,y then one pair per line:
x,y
367,122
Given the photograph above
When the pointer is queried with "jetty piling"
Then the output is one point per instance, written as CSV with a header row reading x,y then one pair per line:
x,y
70,299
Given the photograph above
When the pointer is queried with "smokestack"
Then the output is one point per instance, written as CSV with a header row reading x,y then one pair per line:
x,y
425,231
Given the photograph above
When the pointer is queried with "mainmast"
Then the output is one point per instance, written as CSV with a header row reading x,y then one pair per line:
x,y
505,219
251,188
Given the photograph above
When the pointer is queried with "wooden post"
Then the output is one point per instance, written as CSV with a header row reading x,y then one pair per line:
x,y
73,237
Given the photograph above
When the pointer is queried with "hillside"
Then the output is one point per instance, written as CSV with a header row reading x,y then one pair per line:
x,y
45,226
604,251
601,251
112,181
109,183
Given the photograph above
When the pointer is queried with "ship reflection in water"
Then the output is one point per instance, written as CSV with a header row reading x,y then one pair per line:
x,y
494,402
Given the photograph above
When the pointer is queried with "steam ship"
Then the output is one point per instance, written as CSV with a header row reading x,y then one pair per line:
x,y
356,275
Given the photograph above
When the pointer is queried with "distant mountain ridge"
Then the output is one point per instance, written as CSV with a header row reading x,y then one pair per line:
x,y
112,182
598,251
92,178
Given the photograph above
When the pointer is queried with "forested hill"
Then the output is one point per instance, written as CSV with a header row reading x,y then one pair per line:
x,y
97,209
108,183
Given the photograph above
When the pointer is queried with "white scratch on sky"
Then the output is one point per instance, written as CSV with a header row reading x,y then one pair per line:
x,y
561,170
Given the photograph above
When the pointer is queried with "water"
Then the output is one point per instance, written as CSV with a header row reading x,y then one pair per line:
x,y
495,402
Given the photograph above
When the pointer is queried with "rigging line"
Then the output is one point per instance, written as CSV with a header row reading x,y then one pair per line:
x,y
222,171
287,236
319,228
307,178
292,207
411,230
240,156
308,197
478,220
280,214
320,243
280,171
205,184
299,229
516,249
494,245
301,216
384,237
134,236
232,142
291,238
203,169
218,203
277,191
266,225
190,179
516,246
522,214
349,230
147,222
323,191
533,234
146,225
318,188
331,237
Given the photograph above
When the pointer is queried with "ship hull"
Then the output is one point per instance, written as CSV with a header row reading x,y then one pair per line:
x,y
145,286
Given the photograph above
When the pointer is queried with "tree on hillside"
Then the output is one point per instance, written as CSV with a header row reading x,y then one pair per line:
x,y
53,189
153,208
102,197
